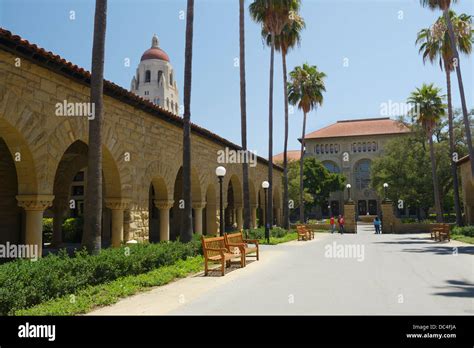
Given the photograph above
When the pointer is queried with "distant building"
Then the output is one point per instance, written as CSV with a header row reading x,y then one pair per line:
x,y
155,79
348,147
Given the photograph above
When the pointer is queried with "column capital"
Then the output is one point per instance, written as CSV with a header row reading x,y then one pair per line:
x,y
35,202
117,203
163,203
199,205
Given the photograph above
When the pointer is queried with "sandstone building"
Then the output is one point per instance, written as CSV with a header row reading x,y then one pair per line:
x,y
348,147
41,153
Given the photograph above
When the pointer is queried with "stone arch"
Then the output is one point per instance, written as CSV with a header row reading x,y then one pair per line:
x,y
177,209
210,212
233,204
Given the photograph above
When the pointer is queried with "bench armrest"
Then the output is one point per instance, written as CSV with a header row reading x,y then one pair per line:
x,y
251,241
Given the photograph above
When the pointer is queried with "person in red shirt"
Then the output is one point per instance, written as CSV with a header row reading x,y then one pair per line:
x,y
333,224
341,224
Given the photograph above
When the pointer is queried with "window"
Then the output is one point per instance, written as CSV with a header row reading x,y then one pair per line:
x,y
77,191
362,174
79,177
147,92
359,148
374,146
317,149
147,76
364,147
160,75
354,149
171,78
326,148
331,166
336,148
331,148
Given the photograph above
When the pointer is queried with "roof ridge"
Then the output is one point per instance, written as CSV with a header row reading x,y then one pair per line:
x,y
366,119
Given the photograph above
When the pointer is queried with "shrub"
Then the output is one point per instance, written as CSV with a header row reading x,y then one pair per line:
x,y
24,283
467,231
259,233
72,230
47,230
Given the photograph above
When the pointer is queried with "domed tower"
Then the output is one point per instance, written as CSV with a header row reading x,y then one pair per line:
x,y
155,80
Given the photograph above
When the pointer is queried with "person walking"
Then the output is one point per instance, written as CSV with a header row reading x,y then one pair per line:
x,y
333,224
377,224
341,224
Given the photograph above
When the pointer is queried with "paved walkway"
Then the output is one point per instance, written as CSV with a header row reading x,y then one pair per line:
x,y
333,274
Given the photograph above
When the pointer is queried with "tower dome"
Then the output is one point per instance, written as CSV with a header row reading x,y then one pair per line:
x,y
155,52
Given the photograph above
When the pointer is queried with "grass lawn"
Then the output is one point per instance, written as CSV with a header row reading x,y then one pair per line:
x,y
462,238
106,294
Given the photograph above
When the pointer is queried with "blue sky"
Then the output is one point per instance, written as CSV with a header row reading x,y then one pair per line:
x,y
375,37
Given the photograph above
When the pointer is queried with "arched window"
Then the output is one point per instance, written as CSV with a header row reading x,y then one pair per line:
x,y
316,149
171,78
332,167
326,148
336,148
331,148
359,148
147,76
160,76
374,146
362,174
364,147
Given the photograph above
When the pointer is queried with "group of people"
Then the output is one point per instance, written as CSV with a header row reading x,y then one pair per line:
x,y
341,222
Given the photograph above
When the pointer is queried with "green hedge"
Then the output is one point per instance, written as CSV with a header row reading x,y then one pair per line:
x,y
465,231
259,233
25,283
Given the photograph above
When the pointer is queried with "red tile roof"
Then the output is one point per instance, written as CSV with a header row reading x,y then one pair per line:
x,y
21,47
368,126
155,53
292,155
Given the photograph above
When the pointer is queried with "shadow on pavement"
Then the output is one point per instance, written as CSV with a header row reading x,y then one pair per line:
x,y
215,269
458,289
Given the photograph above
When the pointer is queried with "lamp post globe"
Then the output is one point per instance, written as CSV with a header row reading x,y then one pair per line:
x,y
220,173
385,188
348,186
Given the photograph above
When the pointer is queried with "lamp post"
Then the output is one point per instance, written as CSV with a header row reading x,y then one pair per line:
x,y
220,172
385,188
265,186
348,186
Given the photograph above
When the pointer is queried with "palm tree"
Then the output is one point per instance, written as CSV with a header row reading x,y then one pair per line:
x,y
436,45
91,238
187,223
429,104
444,5
288,38
243,113
273,15
305,89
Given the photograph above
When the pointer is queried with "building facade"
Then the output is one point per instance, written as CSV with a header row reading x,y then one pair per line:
x,y
155,78
348,147
42,153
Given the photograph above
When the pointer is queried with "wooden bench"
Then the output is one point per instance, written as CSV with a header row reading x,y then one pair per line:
x,y
215,250
304,233
236,241
441,232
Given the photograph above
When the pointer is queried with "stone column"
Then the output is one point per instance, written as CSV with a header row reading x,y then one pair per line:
x,y
349,217
390,223
34,206
211,219
240,219
253,215
198,207
117,206
164,207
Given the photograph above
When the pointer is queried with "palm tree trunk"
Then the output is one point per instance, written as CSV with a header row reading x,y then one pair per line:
x,y
187,222
465,114
92,235
452,149
270,137
243,114
439,214
301,170
286,220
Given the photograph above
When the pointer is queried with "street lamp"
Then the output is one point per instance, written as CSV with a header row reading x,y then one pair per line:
x,y
385,188
220,172
348,186
265,186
